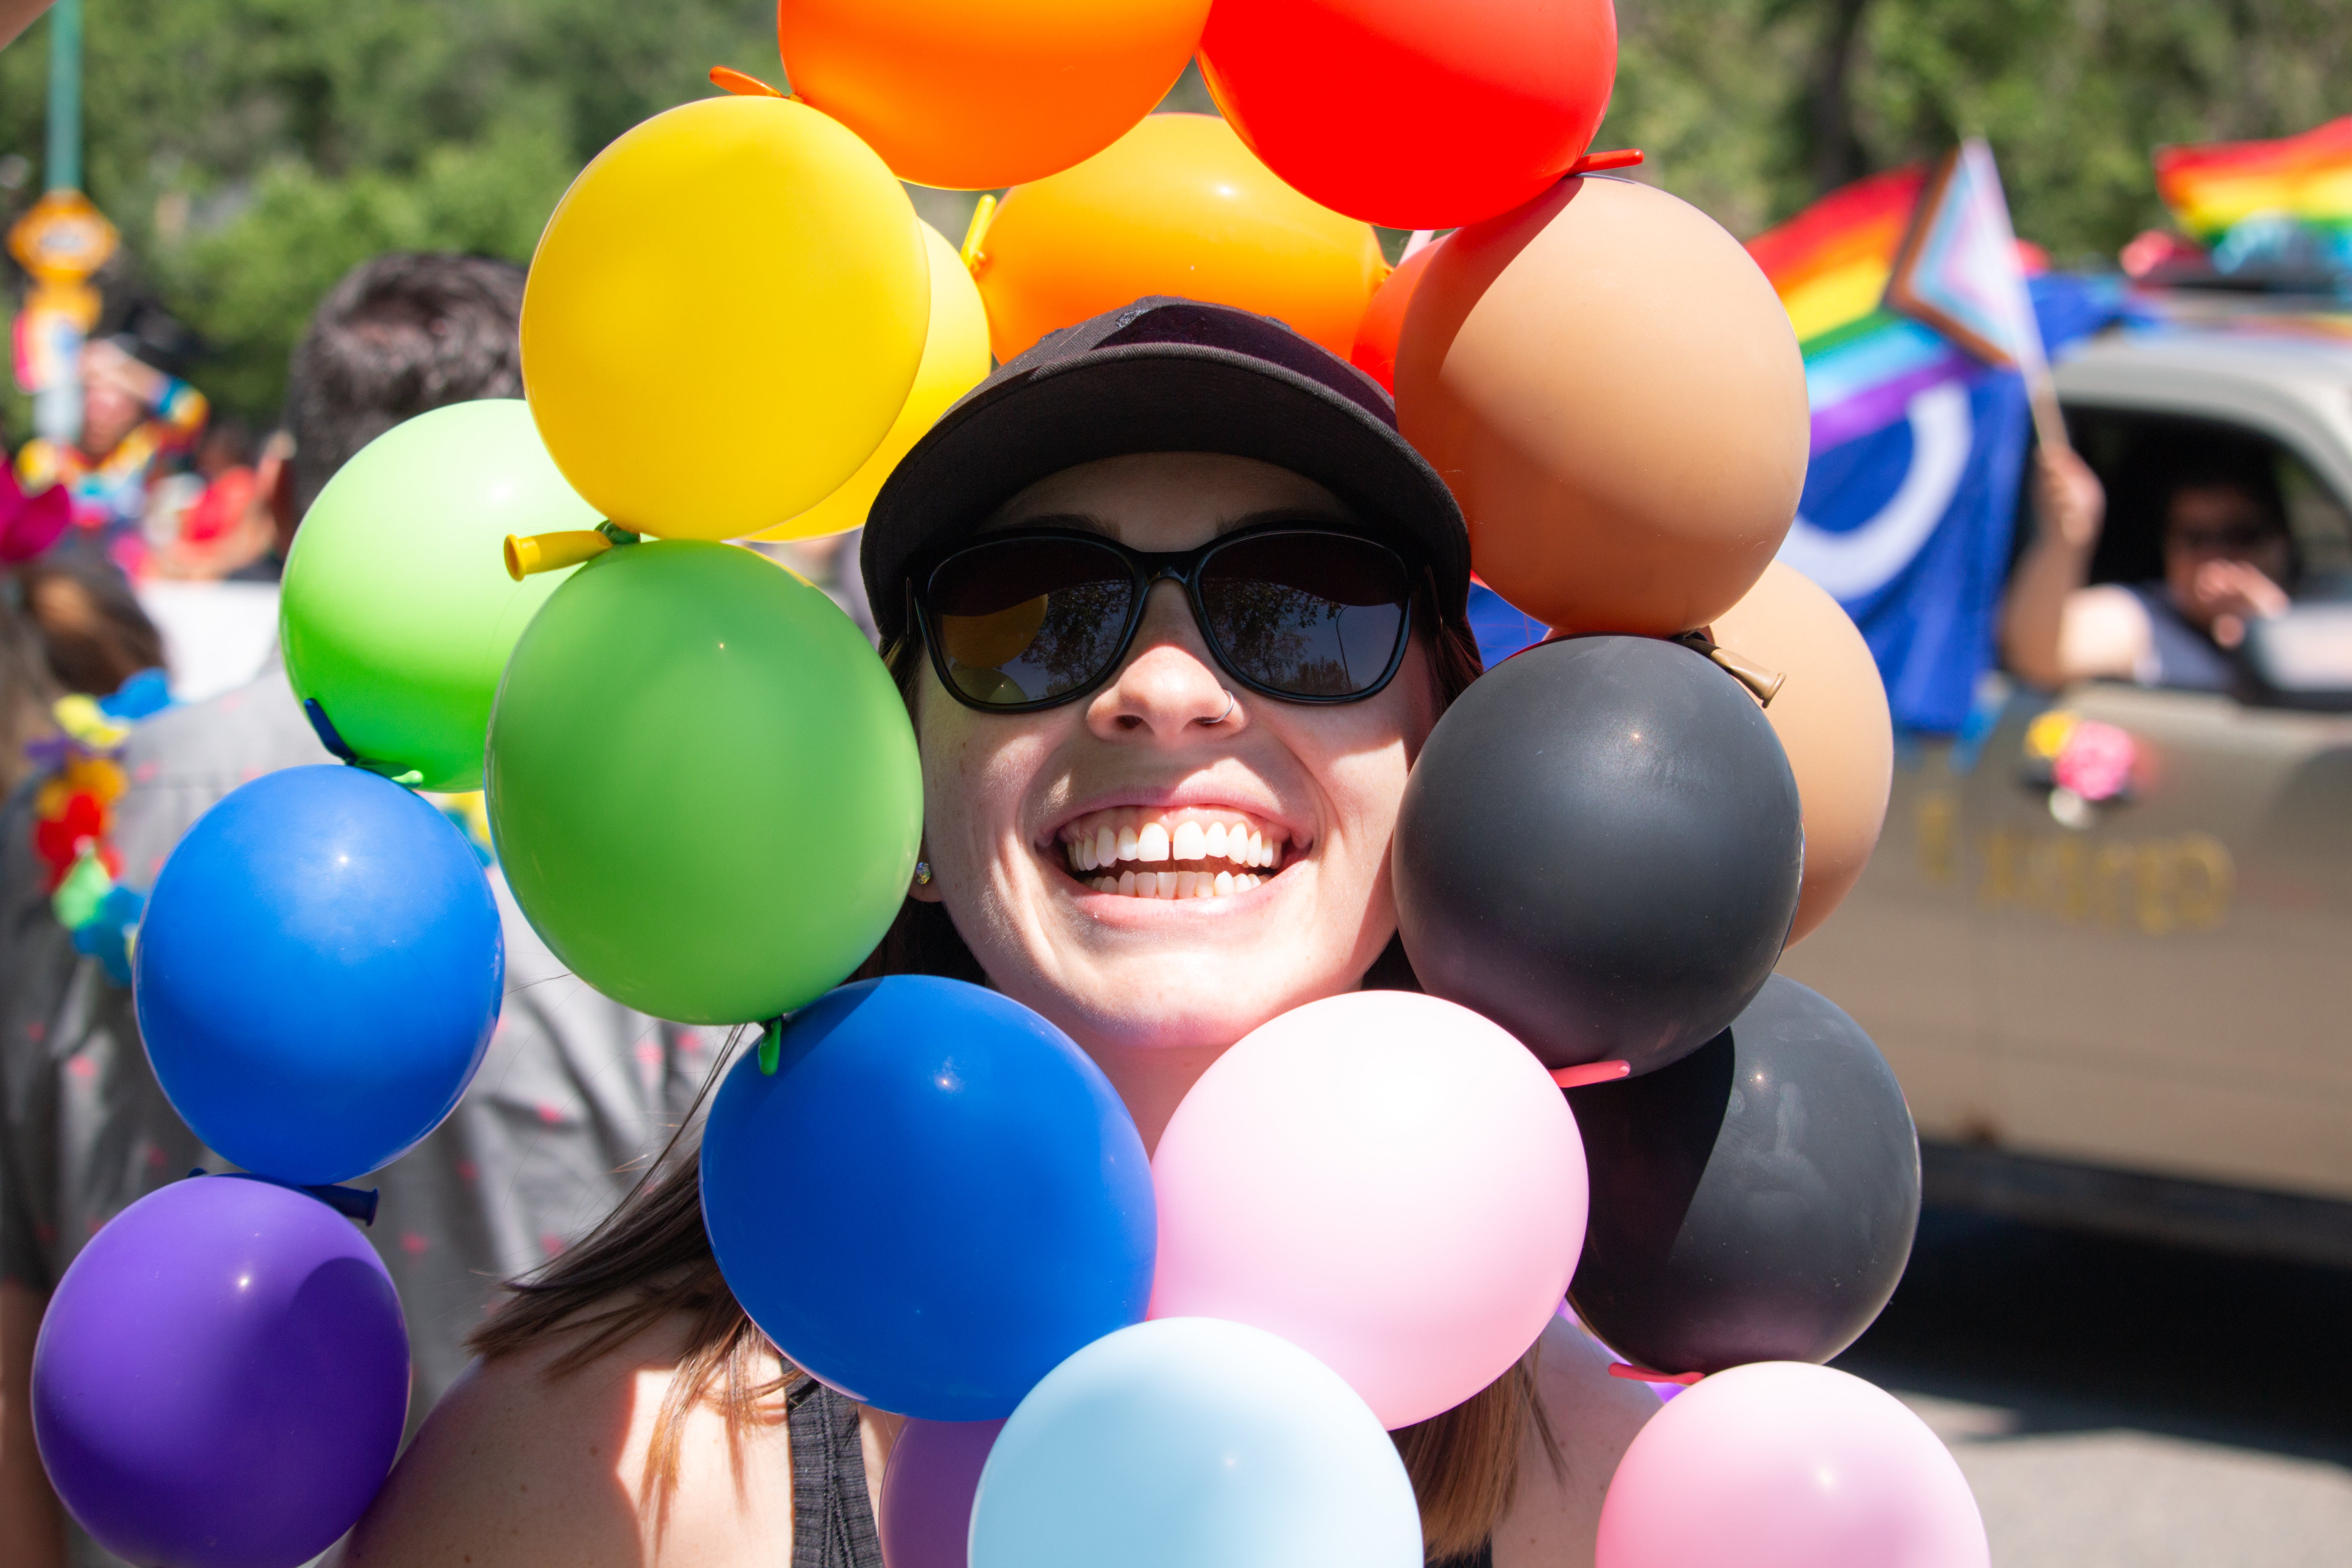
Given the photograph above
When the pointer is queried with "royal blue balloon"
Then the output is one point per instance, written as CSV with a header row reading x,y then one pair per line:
x,y
222,1377
318,974
934,1200
1193,1443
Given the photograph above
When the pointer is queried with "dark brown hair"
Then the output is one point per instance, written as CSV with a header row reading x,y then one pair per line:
x,y
652,1258
398,336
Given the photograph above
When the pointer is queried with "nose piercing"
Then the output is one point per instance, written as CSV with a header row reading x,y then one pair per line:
x,y
923,873
1227,713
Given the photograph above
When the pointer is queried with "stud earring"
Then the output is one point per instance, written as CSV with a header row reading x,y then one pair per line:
x,y
923,873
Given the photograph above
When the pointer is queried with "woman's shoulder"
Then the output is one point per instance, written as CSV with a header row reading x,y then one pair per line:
x,y
1592,1417
529,1460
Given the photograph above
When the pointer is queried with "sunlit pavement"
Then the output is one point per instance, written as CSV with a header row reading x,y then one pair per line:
x,y
2120,1404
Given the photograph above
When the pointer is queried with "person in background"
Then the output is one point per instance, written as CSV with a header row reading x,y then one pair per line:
x,y
135,419
574,1089
2226,556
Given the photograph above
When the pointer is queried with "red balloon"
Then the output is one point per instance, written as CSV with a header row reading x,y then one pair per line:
x,y
1376,336
1413,113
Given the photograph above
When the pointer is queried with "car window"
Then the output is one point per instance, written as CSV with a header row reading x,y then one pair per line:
x,y
2134,454
2323,530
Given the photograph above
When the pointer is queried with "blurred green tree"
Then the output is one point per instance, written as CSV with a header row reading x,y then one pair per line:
x,y
254,150
1751,108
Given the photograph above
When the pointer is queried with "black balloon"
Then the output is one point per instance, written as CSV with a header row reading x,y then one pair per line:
x,y
1756,1201
1599,849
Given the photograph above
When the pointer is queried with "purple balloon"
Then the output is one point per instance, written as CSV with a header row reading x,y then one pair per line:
x,y
927,1492
222,1377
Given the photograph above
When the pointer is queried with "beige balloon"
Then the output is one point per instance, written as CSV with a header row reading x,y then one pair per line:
x,y
1613,390
1831,715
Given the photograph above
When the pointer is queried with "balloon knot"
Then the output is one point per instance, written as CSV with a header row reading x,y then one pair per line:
x,y
352,1203
528,555
1592,1072
772,1045
742,84
1594,162
983,213
1762,684
333,738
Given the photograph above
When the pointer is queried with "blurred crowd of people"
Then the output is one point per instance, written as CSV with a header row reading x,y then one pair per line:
x,y
164,512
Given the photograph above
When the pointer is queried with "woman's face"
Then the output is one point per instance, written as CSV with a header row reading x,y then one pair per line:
x,y
1152,767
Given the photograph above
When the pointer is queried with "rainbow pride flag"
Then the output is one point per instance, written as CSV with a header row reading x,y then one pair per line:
x,y
2307,180
1831,265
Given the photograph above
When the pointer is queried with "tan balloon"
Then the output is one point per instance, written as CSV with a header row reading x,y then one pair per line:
x,y
1831,715
1613,390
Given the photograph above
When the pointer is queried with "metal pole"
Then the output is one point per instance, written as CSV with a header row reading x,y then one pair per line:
x,y
64,167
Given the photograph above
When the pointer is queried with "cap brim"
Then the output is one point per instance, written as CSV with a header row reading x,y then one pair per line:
x,y
1152,397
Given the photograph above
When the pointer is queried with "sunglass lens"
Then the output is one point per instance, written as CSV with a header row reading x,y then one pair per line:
x,y
1028,620
1311,614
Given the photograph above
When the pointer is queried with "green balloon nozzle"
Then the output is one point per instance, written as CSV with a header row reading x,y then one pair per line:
x,y
772,1045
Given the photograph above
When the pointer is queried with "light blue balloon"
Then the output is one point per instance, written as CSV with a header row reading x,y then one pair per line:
x,y
1194,1443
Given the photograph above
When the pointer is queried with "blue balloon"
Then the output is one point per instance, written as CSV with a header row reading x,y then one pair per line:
x,y
1194,1443
934,1199
318,974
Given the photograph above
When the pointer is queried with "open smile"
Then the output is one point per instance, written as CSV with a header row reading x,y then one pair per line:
x,y
1173,852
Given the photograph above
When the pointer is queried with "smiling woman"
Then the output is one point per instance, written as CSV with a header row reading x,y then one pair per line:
x,y
1173,609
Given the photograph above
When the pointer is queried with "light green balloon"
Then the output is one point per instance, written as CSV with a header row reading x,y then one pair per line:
x,y
703,785
397,613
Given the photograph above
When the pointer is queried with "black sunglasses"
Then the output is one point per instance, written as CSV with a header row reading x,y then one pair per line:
x,y
1018,622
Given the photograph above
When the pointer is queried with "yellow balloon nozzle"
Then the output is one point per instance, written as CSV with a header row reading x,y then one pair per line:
x,y
528,555
976,231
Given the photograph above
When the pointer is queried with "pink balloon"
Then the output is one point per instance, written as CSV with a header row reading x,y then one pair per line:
x,y
1784,1465
925,1515
1389,1182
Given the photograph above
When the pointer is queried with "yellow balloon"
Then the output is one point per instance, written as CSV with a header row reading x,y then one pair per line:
x,y
723,318
955,358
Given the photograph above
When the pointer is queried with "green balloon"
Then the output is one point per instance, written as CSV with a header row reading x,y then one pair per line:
x,y
397,613
703,785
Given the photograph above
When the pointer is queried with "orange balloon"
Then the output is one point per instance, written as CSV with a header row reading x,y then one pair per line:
x,y
1610,386
976,98
1831,715
1376,336
1177,205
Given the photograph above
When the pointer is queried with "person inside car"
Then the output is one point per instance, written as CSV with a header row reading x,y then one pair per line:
x,y
2227,557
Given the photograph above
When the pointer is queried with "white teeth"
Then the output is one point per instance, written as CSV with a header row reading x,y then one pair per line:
x,y
1184,881
1225,883
1106,847
1166,884
1126,883
1127,843
1212,846
1189,843
1151,843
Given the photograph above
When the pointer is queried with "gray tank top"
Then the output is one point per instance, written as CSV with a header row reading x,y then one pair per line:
x,y
833,1518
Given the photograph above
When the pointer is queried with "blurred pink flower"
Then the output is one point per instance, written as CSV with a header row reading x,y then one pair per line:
x,y
2096,762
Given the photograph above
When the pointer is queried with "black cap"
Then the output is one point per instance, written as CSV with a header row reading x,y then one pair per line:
x,y
1162,376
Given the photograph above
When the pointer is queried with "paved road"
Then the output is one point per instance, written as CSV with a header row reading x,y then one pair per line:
x,y
2122,1406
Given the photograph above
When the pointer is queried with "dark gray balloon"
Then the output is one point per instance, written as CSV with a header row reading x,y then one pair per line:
x,y
1599,849
1755,1201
